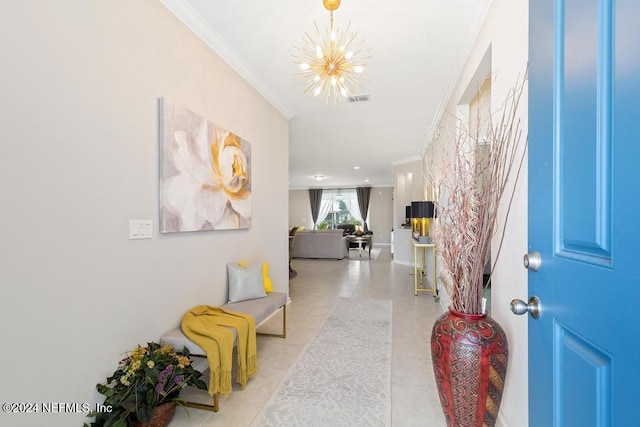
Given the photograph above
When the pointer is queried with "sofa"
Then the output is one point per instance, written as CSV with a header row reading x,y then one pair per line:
x,y
322,244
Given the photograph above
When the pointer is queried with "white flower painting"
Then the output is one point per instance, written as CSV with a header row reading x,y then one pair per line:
x,y
205,174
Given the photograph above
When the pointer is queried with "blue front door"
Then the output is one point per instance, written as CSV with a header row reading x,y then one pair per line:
x,y
584,212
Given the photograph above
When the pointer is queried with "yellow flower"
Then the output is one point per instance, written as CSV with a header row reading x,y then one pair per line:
x,y
135,365
183,361
150,364
138,352
125,380
166,349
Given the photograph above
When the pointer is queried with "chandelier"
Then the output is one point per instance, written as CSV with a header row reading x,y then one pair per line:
x,y
331,63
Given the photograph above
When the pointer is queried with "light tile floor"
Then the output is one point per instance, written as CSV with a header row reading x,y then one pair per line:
x,y
313,292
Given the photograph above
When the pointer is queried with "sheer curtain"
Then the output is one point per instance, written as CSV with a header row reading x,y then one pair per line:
x,y
326,206
331,203
350,199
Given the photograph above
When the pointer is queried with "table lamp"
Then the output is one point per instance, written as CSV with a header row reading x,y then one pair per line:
x,y
422,212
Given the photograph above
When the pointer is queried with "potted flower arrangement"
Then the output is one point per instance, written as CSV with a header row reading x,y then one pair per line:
x,y
469,349
146,387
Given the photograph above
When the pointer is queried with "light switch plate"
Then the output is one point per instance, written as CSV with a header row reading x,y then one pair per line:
x,y
140,229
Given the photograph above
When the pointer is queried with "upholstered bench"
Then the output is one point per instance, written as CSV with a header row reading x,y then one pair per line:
x,y
260,308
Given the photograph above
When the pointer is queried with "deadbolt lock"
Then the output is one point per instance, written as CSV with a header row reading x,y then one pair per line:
x,y
532,261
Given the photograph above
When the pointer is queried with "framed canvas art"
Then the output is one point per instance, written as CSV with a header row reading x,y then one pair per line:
x,y
205,173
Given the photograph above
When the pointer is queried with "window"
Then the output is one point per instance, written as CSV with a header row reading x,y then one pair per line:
x,y
339,207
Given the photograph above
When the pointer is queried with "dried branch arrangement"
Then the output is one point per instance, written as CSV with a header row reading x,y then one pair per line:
x,y
472,184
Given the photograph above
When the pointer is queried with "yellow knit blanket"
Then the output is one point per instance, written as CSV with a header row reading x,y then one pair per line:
x,y
207,327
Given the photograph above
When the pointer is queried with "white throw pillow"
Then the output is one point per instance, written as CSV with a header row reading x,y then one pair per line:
x,y
245,282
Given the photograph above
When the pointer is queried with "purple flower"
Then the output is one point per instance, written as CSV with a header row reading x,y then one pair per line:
x,y
178,379
159,388
165,373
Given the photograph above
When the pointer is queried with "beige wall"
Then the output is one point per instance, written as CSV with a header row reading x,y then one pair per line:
x,y
300,209
409,186
381,215
79,158
505,32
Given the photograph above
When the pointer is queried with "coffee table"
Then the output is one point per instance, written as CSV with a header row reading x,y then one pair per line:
x,y
360,240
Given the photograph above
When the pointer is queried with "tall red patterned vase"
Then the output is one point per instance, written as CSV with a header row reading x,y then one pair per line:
x,y
470,354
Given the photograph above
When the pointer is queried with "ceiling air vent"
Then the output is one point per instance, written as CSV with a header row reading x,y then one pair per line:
x,y
358,98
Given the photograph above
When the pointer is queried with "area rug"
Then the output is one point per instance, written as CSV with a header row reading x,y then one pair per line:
x,y
343,376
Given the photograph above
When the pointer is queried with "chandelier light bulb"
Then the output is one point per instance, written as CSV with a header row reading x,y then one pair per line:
x,y
331,61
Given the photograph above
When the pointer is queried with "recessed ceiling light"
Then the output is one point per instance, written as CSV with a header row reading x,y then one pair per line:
x,y
318,177
356,167
366,180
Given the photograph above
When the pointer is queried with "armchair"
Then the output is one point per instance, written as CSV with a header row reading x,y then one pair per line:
x,y
349,229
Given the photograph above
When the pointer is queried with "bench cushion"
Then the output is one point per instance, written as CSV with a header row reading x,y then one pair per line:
x,y
260,309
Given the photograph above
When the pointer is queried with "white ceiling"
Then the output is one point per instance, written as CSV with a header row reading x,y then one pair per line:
x,y
417,49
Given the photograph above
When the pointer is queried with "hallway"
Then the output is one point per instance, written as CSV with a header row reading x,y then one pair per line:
x,y
314,292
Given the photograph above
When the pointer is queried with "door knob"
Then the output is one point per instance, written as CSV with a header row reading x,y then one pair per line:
x,y
534,308
532,261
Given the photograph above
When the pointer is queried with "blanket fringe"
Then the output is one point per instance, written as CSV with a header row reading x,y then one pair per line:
x,y
243,375
220,382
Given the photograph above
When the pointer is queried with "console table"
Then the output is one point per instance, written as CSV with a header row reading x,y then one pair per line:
x,y
420,268
360,240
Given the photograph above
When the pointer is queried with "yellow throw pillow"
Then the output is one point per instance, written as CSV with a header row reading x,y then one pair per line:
x,y
268,285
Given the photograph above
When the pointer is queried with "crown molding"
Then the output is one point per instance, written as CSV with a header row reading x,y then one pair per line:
x,y
336,187
201,28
